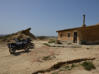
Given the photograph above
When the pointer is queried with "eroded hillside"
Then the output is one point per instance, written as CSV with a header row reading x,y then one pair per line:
x,y
20,34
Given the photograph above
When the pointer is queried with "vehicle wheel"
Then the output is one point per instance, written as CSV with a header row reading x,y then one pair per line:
x,y
12,51
31,45
27,50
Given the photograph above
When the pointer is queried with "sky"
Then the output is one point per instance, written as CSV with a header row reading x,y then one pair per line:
x,y
45,17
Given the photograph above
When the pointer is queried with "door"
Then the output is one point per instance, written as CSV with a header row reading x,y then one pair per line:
x,y
75,37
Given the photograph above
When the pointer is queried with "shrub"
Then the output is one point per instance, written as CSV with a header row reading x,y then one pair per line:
x,y
88,65
51,41
73,65
47,58
55,73
47,44
67,67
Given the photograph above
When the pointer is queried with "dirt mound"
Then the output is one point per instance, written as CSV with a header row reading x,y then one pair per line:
x,y
20,34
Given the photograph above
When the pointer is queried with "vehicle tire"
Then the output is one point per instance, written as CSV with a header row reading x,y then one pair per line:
x,y
27,50
31,45
12,51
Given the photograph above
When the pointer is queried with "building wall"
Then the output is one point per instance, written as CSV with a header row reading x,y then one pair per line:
x,y
89,34
63,35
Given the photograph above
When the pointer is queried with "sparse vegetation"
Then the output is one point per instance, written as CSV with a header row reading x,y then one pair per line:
x,y
45,37
58,42
73,65
48,58
69,43
88,65
51,41
55,73
76,46
42,37
46,44
20,34
67,67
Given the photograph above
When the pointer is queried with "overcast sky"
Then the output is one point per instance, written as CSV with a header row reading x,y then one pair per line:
x,y
46,16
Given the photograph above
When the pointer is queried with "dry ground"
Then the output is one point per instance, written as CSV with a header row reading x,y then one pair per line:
x,y
27,63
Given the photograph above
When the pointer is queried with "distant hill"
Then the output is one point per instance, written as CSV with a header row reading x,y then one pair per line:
x,y
46,37
20,34
2,35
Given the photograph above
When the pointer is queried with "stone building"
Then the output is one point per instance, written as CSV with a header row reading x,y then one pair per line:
x,y
84,34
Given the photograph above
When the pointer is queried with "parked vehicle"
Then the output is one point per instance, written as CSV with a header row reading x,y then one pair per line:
x,y
25,44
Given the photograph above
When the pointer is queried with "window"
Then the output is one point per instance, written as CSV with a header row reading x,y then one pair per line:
x,y
68,34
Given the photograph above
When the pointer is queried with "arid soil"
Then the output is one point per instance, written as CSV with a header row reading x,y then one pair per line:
x,y
43,57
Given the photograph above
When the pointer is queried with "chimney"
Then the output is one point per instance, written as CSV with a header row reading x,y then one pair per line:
x,y
84,25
